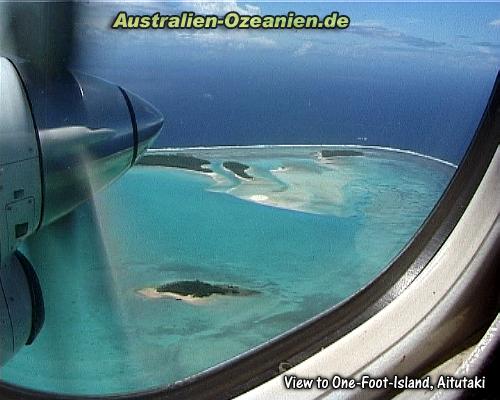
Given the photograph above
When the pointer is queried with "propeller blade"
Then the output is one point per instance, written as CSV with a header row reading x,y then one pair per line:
x,y
40,32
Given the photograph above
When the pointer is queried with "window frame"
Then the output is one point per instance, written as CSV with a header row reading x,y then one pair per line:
x,y
258,365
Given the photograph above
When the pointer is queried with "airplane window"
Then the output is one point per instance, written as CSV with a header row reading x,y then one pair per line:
x,y
293,166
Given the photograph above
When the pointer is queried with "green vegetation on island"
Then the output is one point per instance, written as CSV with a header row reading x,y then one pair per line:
x,y
202,289
340,153
185,161
237,169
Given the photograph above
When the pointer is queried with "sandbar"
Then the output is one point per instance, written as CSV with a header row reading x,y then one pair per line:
x,y
152,293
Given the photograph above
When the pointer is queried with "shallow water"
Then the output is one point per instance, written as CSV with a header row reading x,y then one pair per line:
x,y
347,220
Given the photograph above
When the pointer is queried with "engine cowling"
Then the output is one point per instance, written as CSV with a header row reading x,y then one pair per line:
x,y
62,138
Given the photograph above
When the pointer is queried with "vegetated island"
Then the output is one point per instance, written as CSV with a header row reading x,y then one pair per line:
x,y
237,169
194,291
340,153
185,161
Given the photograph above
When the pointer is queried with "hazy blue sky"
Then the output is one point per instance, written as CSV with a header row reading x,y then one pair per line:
x,y
411,75
467,34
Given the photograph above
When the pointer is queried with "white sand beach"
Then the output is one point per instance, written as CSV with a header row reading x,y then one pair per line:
x,y
152,293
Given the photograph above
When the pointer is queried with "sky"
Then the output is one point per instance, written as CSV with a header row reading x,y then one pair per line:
x,y
437,32
408,75
421,31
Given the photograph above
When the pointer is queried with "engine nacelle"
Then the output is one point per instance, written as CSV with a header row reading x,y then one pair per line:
x,y
62,138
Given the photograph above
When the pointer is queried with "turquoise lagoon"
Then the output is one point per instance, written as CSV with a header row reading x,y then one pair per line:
x,y
306,233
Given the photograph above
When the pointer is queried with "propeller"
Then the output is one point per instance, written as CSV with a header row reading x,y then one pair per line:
x,y
42,33
63,136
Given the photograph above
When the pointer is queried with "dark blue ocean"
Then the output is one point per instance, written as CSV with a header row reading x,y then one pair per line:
x,y
244,99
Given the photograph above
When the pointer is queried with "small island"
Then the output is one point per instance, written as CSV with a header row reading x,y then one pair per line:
x,y
185,161
340,153
194,291
237,168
